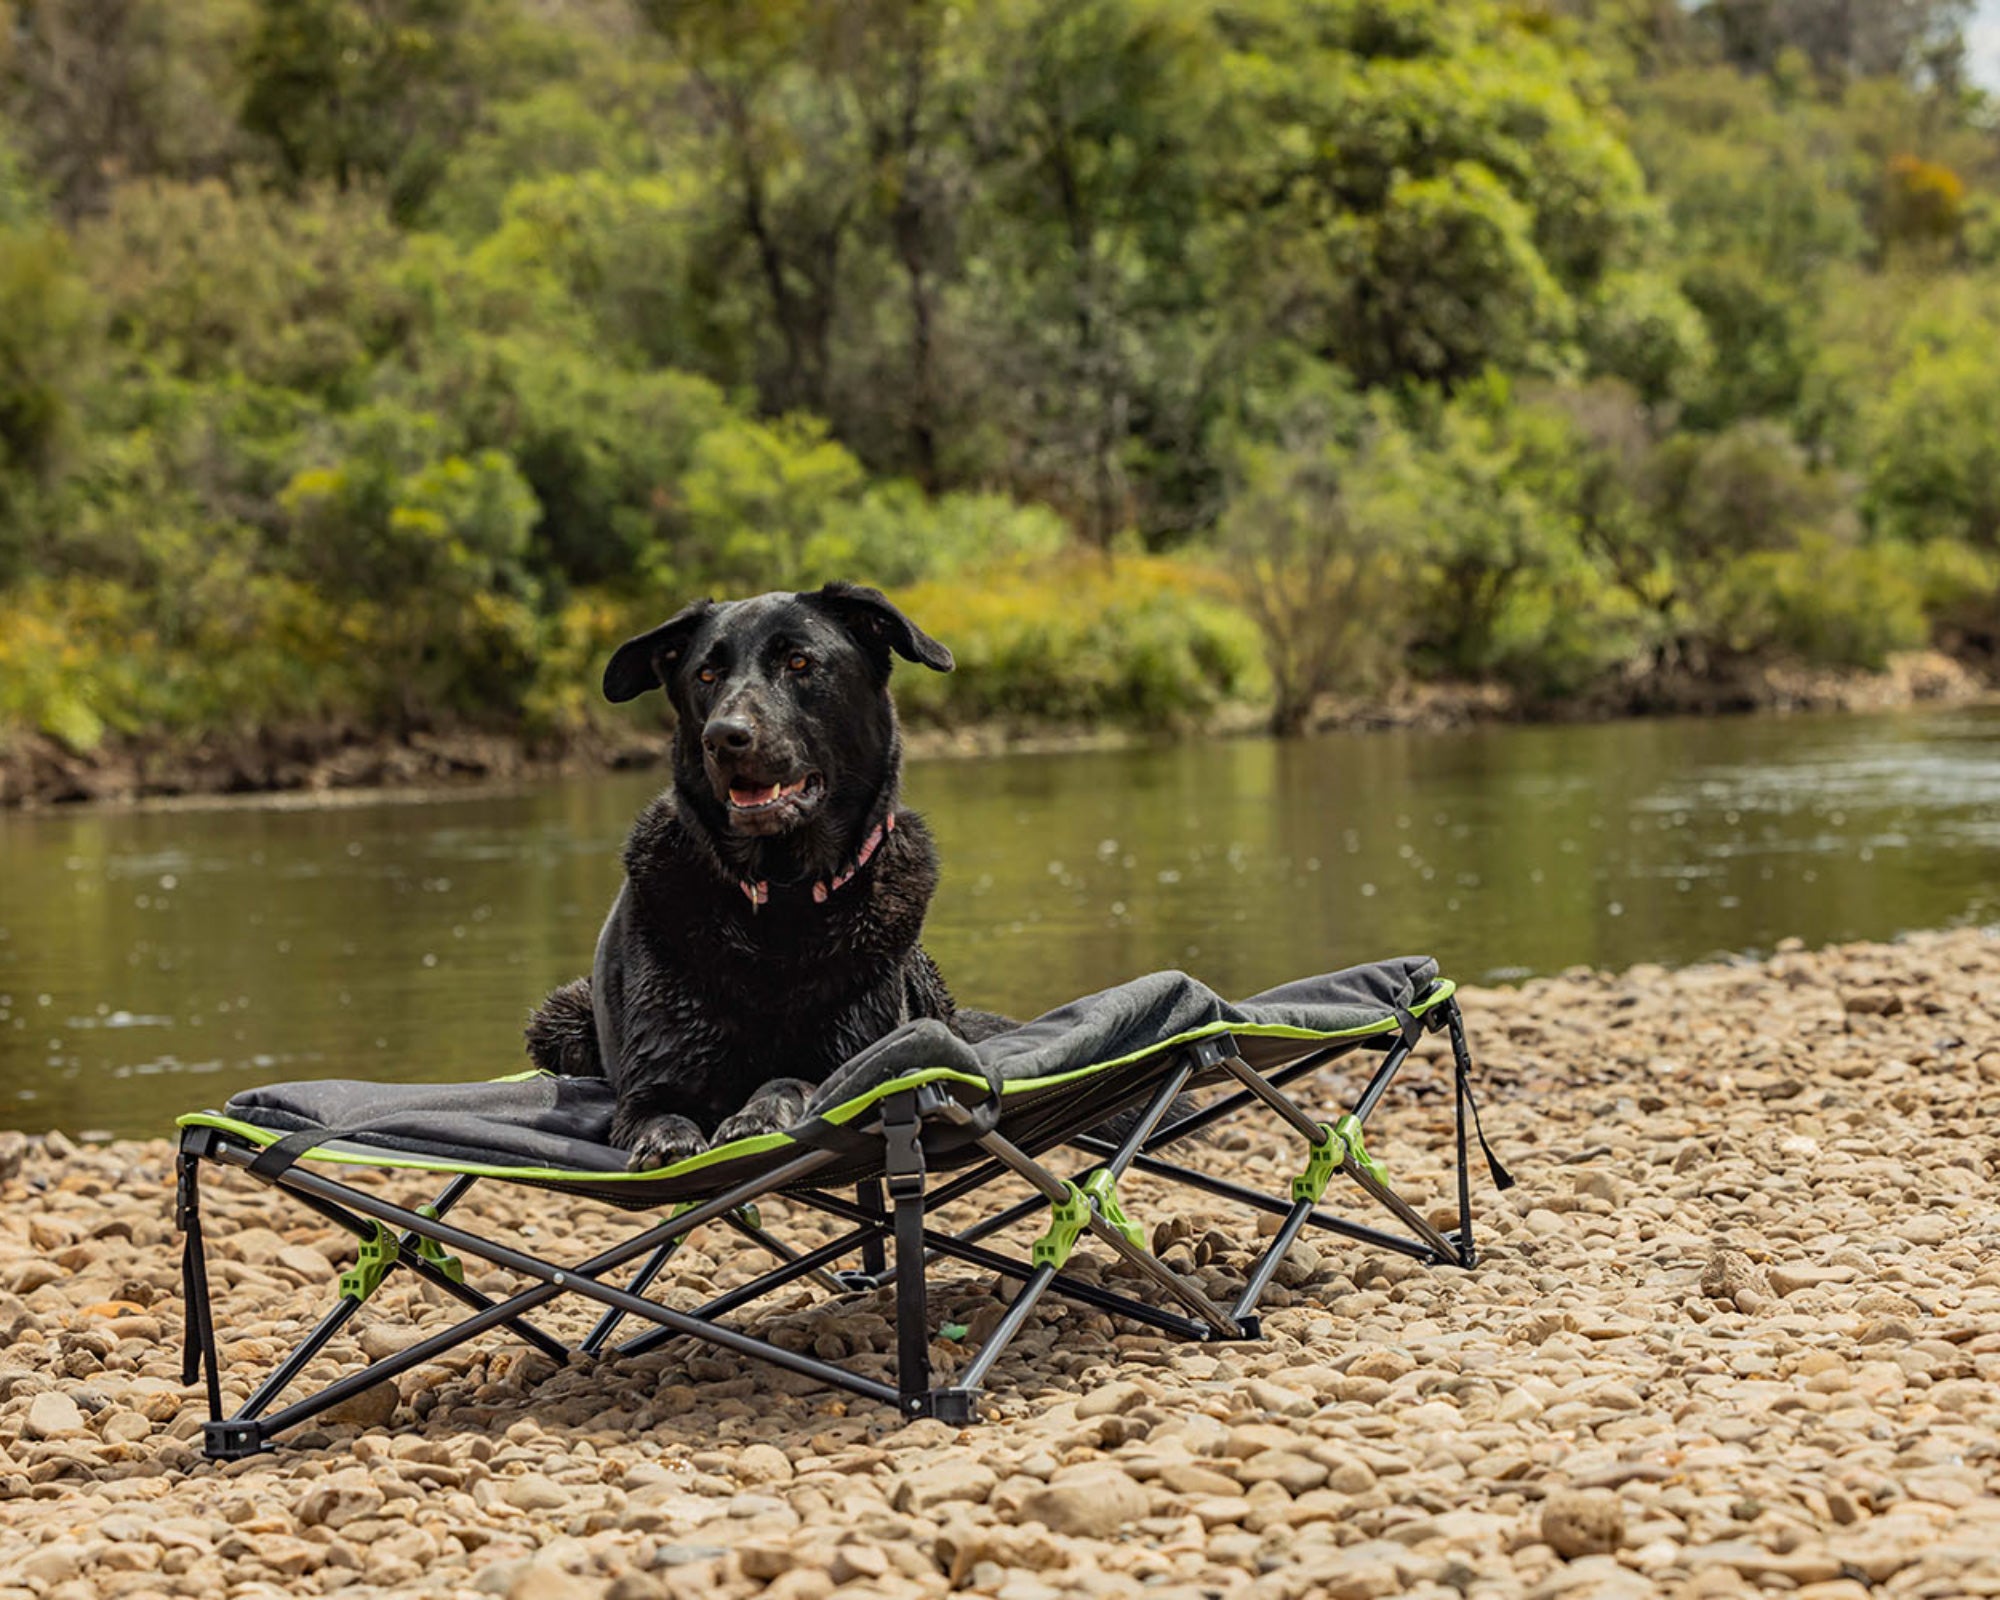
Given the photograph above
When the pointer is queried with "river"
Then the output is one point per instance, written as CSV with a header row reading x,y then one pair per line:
x,y
155,959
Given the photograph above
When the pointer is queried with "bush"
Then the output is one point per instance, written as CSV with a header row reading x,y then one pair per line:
x,y
1828,602
202,282
896,534
1566,631
604,449
1325,573
1961,594
45,320
616,250
1642,329
1934,456
81,659
762,501
1138,640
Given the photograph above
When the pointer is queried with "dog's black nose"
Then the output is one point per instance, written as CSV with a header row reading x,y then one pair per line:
x,y
730,734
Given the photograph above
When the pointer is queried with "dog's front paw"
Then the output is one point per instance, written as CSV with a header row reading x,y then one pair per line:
x,y
659,1141
780,1104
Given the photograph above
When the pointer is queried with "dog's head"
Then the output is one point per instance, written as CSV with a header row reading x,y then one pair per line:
x,y
783,701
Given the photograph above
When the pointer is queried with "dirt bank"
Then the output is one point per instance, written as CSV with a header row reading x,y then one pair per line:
x,y
38,770
1738,1330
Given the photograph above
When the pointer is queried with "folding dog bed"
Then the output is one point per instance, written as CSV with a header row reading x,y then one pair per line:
x,y
874,1152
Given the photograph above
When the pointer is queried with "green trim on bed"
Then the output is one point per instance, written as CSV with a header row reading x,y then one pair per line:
x,y
840,1115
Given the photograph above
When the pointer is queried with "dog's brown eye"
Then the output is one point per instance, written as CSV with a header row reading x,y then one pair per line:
x,y
707,674
798,663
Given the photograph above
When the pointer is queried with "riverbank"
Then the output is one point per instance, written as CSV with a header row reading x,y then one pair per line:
x,y
1734,1331
38,770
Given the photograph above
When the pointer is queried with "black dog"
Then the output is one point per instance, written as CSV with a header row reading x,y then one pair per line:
x,y
774,894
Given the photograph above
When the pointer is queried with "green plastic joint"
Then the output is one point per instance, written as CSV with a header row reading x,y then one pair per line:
x,y
1348,1129
371,1265
1322,1163
435,1253
1102,1188
1068,1217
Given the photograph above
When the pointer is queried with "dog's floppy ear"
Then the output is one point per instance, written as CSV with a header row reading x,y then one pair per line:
x,y
645,662
879,626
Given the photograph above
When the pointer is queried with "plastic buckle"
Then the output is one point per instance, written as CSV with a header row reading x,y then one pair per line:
x,y
1102,1188
187,1191
903,1157
1321,1164
1068,1217
371,1265
435,1253
1348,1131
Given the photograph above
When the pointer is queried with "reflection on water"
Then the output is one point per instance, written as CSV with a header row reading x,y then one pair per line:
x,y
151,960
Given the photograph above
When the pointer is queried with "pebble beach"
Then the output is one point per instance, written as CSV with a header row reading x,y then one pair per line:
x,y
1736,1331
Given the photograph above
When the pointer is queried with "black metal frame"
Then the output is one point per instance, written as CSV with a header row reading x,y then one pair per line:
x,y
887,1210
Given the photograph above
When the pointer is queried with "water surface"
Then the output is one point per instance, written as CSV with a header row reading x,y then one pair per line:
x,y
152,960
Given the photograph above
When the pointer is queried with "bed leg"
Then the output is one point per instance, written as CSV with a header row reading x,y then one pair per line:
x,y
903,1160
868,1195
1467,1110
222,1439
199,1355
903,1151
1268,1263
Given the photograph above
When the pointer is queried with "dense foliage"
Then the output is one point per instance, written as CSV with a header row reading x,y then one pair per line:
x,y
379,362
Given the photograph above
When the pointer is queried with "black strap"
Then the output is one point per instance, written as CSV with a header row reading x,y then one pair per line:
x,y
1502,1179
1412,1027
191,1351
280,1155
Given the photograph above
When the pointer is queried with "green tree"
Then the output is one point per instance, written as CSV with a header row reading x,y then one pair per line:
x,y
106,90
1877,39
1934,451
205,282
762,500
1319,562
1417,192
46,324
1086,130
353,91
432,545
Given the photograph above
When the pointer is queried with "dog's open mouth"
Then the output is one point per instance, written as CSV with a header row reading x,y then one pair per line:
x,y
753,803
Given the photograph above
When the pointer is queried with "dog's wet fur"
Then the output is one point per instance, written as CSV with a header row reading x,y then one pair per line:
x,y
774,894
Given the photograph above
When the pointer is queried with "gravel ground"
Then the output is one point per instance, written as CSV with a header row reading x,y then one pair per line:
x,y
1737,1330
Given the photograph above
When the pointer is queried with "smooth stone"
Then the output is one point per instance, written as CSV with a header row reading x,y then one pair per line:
x,y
54,1415
1583,1522
1110,1399
1295,1474
763,1463
533,1492
943,1482
1091,1502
